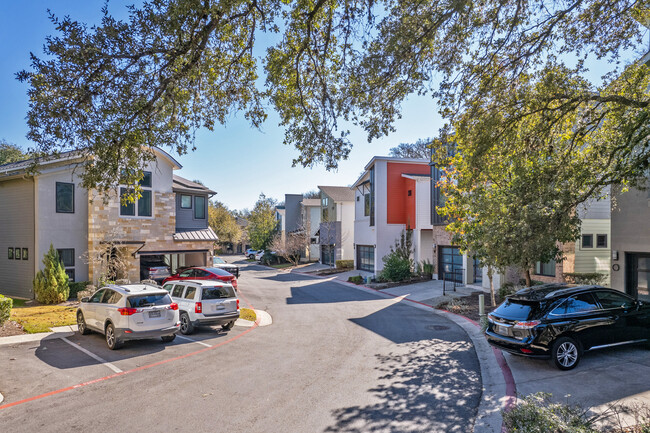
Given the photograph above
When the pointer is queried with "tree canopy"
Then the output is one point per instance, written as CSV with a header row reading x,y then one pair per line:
x,y
262,224
175,66
419,149
223,222
10,153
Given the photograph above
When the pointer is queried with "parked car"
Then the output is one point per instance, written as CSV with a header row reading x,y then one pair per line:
x,y
220,263
203,303
153,268
259,255
561,322
203,273
250,253
129,312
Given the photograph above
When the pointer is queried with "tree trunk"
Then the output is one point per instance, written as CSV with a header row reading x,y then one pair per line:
x,y
527,276
490,273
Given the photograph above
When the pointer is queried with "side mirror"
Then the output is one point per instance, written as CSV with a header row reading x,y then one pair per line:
x,y
86,299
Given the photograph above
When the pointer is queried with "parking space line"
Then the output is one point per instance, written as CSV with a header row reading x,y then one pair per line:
x,y
193,341
92,355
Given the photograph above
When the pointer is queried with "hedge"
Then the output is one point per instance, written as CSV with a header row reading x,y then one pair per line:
x,y
344,264
5,309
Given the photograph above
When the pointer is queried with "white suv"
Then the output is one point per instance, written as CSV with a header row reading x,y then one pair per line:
x,y
204,302
129,312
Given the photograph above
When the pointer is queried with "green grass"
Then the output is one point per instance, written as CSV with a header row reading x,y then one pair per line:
x,y
251,260
247,314
43,317
17,303
282,265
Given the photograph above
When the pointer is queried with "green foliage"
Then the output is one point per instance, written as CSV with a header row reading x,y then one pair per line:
x,y
457,306
76,287
5,309
344,264
587,278
10,153
424,268
262,224
356,279
506,289
398,264
51,284
537,414
224,223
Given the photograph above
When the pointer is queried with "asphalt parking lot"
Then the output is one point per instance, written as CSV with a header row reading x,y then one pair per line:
x,y
36,368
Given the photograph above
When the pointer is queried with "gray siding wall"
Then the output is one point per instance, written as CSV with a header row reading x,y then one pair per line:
x,y
293,212
630,230
62,230
17,231
596,209
185,217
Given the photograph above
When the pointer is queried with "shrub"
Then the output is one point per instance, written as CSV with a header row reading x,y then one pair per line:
x,y
522,282
537,414
506,290
51,284
76,287
588,278
345,264
86,292
358,279
457,306
398,263
424,268
5,309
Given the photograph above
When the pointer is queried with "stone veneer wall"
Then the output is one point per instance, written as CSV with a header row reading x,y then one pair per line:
x,y
157,232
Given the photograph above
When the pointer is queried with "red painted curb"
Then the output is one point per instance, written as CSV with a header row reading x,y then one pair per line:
x,y
133,370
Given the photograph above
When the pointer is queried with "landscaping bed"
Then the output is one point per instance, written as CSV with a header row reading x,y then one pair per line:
x,y
389,284
468,305
332,271
11,328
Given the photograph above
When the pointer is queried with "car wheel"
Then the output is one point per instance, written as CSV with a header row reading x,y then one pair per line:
x,y
228,326
186,324
111,339
566,353
81,324
168,338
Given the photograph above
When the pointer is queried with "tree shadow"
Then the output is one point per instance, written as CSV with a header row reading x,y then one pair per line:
x,y
326,292
431,385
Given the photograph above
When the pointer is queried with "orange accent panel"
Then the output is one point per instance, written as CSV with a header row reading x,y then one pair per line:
x,y
401,207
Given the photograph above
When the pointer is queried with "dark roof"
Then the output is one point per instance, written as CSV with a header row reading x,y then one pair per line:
x,y
338,193
180,184
550,291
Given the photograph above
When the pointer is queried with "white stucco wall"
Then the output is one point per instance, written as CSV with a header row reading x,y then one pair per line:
x,y
345,214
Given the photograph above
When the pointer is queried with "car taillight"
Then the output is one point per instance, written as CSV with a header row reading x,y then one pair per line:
x,y
234,282
526,350
526,325
173,306
490,317
127,311
198,307
238,304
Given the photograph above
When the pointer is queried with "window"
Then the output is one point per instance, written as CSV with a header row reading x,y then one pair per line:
x,y
587,241
110,297
189,294
10,255
144,204
580,304
168,287
17,254
97,297
149,300
601,241
366,258
610,300
410,192
25,254
66,255
186,273
186,201
325,215
199,208
366,204
64,197
70,274
178,291
546,269
324,201
200,273
218,292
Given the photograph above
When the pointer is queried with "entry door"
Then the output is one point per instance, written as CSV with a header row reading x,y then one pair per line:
x,y
327,254
637,275
450,263
478,272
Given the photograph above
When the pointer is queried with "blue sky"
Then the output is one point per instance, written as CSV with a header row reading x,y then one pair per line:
x,y
237,161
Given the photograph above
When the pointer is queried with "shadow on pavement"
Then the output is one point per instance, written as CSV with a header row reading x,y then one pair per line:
x,y
427,385
290,277
326,292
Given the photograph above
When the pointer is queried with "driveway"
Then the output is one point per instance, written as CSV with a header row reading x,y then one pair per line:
x,y
335,359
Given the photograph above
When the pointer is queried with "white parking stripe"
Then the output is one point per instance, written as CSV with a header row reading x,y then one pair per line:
x,y
92,355
193,341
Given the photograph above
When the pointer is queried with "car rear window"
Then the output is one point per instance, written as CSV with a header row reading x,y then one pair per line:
x,y
218,292
517,310
149,300
218,271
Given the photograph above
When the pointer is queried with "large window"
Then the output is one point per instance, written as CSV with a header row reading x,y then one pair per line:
x,y
64,197
144,204
366,258
186,201
366,204
199,208
545,269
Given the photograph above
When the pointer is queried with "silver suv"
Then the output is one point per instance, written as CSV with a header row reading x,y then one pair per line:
x,y
129,312
204,302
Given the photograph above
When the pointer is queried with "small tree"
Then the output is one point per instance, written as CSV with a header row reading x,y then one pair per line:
x,y
398,264
292,247
108,258
51,284
262,224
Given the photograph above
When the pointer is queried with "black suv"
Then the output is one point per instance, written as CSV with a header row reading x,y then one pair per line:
x,y
561,321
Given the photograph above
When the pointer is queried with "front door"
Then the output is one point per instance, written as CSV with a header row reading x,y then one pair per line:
x,y
327,254
450,264
637,275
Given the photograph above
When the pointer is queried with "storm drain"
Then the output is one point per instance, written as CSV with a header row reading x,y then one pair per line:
x,y
437,327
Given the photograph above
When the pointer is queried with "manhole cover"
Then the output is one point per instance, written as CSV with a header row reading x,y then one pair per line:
x,y
438,327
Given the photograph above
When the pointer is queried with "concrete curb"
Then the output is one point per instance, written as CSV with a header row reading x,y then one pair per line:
x,y
57,332
263,319
496,378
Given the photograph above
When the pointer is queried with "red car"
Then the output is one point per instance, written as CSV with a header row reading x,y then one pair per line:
x,y
203,273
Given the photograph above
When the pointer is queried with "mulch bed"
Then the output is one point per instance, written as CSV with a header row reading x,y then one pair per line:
x,y
389,284
11,328
470,310
332,271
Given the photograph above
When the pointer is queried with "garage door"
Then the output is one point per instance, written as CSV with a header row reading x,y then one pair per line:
x,y
366,258
450,264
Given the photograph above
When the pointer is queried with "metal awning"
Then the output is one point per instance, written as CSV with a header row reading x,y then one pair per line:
x,y
196,235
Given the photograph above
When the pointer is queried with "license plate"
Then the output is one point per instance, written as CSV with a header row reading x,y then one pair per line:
x,y
153,314
219,307
500,330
